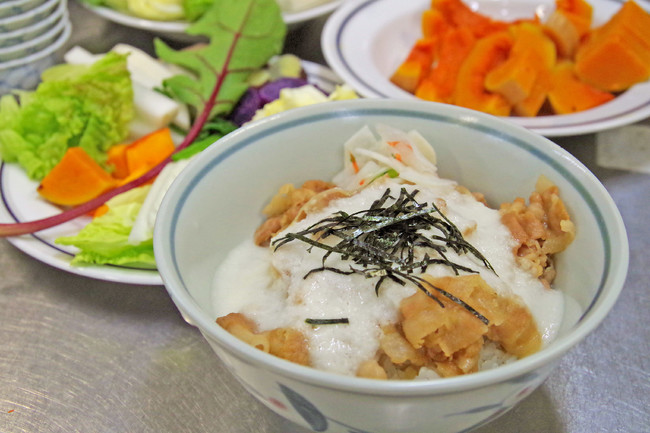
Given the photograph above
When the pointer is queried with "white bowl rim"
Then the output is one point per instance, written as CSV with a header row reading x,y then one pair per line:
x,y
49,4
60,10
67,30
49,34
614,277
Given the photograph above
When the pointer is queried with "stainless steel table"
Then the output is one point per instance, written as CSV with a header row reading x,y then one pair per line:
x,y
80,355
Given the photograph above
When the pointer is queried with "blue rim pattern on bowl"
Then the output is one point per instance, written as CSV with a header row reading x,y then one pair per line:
x,y
585,324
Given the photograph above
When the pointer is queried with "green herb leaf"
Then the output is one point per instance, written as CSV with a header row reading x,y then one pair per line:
x,y
211,132
243,34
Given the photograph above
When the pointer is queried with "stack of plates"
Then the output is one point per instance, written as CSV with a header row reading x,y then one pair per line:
x,y
31,32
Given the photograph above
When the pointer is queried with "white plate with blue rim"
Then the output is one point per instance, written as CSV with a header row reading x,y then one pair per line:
x,y
20,202
175,29
364,41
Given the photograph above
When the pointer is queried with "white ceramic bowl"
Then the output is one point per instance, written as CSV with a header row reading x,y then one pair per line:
x,y
28,33
215,203
25,73
14,22
364,41
16,7
34,45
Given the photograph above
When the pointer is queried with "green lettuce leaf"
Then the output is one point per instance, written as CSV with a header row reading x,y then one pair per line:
x,y
75,105
243,35
105,240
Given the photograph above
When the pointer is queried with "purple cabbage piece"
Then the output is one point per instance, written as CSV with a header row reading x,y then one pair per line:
x,y
246,107
256,97
271,91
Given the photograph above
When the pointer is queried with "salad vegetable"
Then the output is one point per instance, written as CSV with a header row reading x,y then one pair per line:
x,y
75,105
105,240
293,97
76,179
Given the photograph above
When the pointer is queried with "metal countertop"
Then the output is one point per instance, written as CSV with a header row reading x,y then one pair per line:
x,y
82,355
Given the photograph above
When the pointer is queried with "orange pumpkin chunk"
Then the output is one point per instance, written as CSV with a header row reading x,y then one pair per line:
x,y
117,160
617,54
148,151
416,66
434,24
76,179
523,78
579,12
460,15
470,91
568,94
438,85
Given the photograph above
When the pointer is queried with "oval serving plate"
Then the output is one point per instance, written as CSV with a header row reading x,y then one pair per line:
x,y
364,42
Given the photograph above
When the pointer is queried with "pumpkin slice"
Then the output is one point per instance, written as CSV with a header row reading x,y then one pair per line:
x,y
569,94
460,15
417,64
434,24
617,54
579,12
76,179
470,90
514,79
564,33
439,83
147,152
532,105
117,160
530,61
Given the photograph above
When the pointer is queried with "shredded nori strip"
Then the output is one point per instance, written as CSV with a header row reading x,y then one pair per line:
x,y
343,321
382,242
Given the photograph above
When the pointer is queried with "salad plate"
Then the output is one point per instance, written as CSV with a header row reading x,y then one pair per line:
x,y
176,29
364,41
20,202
